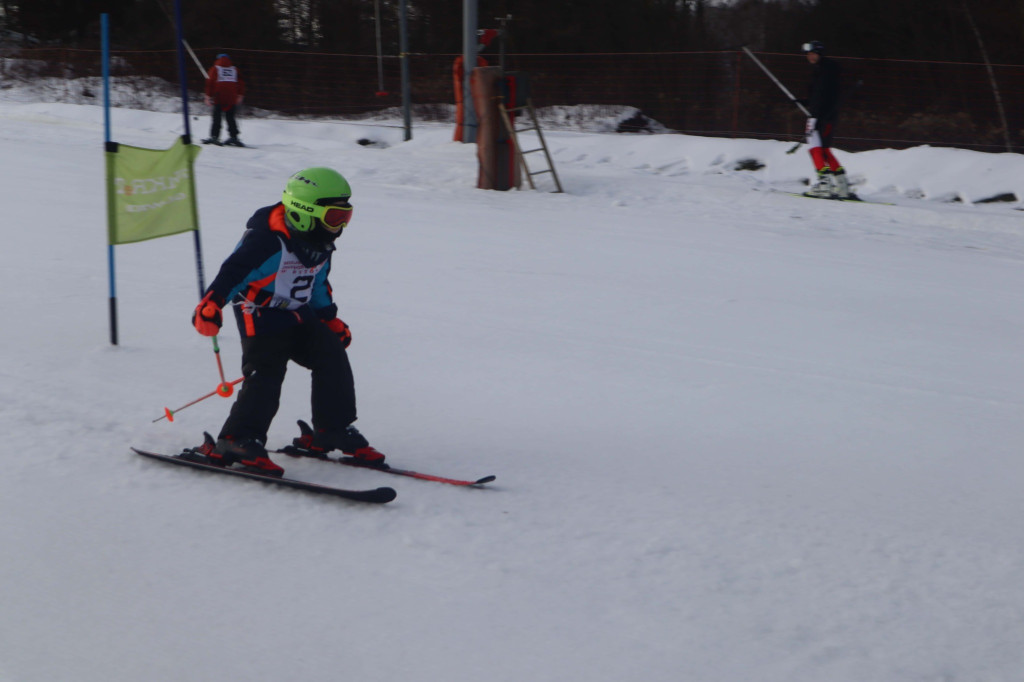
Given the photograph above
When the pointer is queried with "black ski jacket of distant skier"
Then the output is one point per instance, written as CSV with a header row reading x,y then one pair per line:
x,y
823,97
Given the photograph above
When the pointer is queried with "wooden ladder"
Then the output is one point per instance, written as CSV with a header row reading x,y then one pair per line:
x,y
535,127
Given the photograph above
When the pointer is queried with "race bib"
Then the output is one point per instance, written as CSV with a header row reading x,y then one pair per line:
x,y
227,74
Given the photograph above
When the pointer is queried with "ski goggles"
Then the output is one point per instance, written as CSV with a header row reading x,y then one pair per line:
x,y
334,217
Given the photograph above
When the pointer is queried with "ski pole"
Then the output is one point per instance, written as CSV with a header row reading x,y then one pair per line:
x,y
225,389
782,87
775,80
169,413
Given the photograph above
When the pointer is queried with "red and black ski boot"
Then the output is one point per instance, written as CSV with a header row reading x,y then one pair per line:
x,y
247,453
349,441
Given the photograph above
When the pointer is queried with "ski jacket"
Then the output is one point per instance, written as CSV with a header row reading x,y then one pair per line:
x,y
224,83
823,95
273,278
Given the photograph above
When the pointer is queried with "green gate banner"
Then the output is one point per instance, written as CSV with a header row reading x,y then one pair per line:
x,y
150,192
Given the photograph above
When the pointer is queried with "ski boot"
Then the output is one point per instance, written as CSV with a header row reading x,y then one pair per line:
x,y
349,441
213,140
248,453
233,142
842,186
822,189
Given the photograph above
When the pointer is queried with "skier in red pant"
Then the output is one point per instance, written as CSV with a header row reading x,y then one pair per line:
x,y
823,104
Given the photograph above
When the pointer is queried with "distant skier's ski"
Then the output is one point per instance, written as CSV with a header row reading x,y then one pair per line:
x,y
375,496
852,200
295,450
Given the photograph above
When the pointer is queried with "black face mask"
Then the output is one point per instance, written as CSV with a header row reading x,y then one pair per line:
x,y
313,246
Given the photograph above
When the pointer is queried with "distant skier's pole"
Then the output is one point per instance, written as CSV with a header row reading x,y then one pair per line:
x,y
196,59
105,40
188,47
782,87
777,82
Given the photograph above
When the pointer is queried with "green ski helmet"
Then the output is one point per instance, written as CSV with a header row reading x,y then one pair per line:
x,y
317,197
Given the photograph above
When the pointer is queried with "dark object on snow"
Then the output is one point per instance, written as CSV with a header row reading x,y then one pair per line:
x,y
637,123
748,165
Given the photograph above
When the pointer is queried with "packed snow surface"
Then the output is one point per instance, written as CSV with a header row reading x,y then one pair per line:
x,y
739,435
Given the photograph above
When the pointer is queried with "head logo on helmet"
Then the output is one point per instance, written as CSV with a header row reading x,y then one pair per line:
x,y
308,192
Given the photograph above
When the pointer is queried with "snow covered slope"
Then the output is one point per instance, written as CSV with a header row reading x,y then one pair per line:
x,y
739,436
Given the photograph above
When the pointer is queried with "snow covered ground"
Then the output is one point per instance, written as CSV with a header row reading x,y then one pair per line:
x,y
740,436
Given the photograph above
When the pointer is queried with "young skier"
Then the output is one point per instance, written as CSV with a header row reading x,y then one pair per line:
x,y
276,279
823,104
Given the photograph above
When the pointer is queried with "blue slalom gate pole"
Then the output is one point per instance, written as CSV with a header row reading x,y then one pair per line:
x,y
105,39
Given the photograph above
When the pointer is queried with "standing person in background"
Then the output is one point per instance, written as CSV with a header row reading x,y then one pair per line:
x,y
823,104
225,90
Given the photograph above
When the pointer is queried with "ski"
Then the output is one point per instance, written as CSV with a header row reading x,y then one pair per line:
x,y
218,143
373,496
854,200
295,451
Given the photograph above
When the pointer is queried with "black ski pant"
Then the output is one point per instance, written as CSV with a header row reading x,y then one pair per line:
x,y
229,118
264,362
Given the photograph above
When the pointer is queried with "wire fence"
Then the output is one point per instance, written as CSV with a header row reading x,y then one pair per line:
x,y
887,103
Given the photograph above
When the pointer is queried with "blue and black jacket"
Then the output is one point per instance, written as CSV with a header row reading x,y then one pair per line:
x,y
275,279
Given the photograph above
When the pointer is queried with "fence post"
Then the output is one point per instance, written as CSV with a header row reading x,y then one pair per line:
x,y
736,95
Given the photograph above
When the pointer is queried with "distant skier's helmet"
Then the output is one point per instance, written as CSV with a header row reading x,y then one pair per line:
x,y
317,198
814,46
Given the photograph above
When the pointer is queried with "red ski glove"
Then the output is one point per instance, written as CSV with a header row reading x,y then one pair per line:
x,y
341,329
207,317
